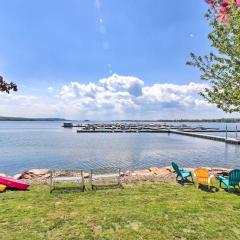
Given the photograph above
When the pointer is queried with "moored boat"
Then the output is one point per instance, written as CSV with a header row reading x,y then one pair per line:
x,y
67,125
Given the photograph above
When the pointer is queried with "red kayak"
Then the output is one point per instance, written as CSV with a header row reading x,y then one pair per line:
x,y
13,183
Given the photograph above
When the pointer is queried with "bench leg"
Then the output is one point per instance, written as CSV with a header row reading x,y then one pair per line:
x,y
51,185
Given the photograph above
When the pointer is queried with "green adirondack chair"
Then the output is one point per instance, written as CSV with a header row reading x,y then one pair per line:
x,y
181,173
232,180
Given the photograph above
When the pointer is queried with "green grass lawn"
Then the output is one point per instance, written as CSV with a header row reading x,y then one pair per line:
x,y
143,210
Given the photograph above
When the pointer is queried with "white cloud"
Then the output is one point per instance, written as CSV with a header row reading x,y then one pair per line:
x,y
50,89
25,106
116,83
77,90
127,97
115,97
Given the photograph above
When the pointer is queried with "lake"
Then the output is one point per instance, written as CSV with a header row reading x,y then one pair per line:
x,y
27,145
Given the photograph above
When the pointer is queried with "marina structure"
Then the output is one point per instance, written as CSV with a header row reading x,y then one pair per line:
x,y
199,132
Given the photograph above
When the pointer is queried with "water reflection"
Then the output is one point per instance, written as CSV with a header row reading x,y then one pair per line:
x,y
47,145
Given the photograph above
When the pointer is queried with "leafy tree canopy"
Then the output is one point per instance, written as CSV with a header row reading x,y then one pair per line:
x,y
222,67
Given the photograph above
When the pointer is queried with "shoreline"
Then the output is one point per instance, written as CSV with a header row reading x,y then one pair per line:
x,y
42,176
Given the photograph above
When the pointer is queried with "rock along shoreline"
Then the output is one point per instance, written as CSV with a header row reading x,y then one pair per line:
x,y
41,176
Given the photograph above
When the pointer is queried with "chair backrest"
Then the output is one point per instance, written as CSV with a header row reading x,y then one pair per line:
x,y
234,177
176,168
106,176
109,172
106,171
201,175
201,172
66,173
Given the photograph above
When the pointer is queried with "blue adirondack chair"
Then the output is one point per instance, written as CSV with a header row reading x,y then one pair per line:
x,y
232,180
181,173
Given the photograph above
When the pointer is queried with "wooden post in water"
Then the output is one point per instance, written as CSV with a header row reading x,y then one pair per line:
x,y
226,136
236,132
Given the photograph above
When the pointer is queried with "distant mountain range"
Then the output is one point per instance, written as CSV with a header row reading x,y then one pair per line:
x,y
30,119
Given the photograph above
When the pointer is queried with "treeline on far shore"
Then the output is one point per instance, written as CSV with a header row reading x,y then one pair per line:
x,y
29,119
224,120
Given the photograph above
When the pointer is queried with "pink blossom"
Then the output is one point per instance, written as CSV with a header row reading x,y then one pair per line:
x,y
210,2
223,9
223,18
223,15
238,3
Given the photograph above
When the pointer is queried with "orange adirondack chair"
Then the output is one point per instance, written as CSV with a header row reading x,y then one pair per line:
x,y
202,177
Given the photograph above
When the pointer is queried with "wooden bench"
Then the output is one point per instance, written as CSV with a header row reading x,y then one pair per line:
x,y
66,176
105,177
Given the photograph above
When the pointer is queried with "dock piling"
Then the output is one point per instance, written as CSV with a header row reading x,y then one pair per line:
x,y
236,132
226,136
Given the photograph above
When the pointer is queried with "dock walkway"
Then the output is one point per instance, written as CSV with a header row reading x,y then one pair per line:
x,y
198,134
205,136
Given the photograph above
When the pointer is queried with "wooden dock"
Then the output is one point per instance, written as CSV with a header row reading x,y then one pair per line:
x,y
206,136
210,130
123,131
185,133
199,132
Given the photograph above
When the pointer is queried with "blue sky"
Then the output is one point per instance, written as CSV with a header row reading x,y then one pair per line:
x,y
58,51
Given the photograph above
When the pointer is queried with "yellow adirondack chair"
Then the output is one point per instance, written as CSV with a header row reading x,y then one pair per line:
x,y
202,177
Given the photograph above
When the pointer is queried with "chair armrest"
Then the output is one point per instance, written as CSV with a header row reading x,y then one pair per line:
x,y
184,171
221,178
210,178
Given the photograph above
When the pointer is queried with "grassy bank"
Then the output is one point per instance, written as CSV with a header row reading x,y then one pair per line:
x,y
145,210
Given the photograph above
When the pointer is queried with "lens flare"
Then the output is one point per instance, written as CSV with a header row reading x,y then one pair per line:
x,y
103,31
98,4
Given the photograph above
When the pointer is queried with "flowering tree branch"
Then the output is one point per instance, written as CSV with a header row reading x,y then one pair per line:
x,y
222,67
7,87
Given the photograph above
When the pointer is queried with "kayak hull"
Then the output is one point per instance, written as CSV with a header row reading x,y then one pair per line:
x,y
13,183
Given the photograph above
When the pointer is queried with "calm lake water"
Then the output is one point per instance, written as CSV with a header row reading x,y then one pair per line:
x,y
26,145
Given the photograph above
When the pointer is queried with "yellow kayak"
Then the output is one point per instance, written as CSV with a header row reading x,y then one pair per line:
x,y
2,188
